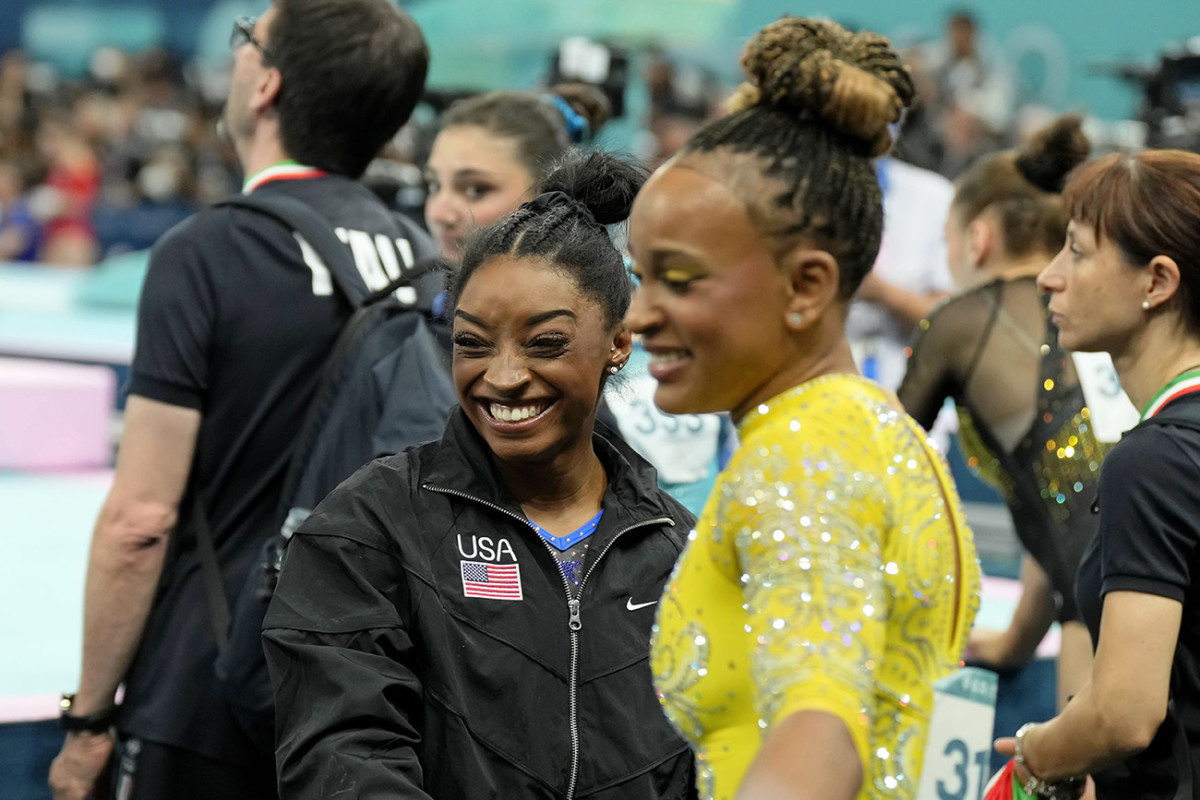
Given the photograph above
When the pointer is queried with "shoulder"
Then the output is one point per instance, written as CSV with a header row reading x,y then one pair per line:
x,y
964,308
1152,437
195,232
367,500
1155,457
825,417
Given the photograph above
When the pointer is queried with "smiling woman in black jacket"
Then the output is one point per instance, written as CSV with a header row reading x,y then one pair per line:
x,y
471,618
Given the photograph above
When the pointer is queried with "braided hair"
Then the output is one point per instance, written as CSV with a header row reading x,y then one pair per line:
x,y
564,226
813,113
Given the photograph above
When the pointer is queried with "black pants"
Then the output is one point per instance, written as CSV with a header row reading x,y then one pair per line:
x,y
152,771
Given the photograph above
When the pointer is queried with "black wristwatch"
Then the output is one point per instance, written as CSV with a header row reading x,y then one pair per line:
x,y
99,722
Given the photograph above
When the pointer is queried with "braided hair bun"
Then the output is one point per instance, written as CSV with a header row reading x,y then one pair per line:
x,y
1053,152
817,70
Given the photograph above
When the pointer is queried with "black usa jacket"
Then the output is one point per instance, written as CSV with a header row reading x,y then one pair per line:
x,y
391,682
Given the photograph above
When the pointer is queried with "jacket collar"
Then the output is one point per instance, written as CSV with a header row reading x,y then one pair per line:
x,y
462,462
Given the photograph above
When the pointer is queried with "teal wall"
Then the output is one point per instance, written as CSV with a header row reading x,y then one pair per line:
x,y
1049,43
504,43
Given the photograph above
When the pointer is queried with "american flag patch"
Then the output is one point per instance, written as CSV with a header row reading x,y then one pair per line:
x,y
497,581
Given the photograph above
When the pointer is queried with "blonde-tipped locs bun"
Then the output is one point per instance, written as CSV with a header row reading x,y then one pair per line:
x,y
819,71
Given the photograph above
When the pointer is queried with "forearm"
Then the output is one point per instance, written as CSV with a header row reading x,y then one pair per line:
x,y
1080,741
124,566
1117,713
1033,616
808,755
1074,661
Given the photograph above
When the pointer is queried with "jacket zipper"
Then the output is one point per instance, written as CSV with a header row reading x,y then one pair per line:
x,y
574,620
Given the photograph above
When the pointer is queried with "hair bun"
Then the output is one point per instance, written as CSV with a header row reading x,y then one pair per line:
x,y
602,182
588,101
1053,152
817,70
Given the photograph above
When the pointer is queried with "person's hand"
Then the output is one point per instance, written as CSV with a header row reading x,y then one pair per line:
x,y
74,771
986,646
1084,790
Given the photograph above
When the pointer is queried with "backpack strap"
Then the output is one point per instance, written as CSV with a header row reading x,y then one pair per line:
x,y
298,216
210,572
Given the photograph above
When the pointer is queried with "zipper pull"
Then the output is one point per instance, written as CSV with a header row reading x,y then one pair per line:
x,y
575,623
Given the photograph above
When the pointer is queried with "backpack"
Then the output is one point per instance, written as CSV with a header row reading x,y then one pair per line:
x,y
384,386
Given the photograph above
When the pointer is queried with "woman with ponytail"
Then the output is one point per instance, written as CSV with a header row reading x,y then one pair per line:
x,y
1023,422
471,618
494,149
831,579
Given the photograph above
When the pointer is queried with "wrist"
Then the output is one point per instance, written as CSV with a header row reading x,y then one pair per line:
x,y
1032,783
94,723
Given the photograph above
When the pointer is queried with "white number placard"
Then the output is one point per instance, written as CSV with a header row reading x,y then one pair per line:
x,y
958,752
1112,412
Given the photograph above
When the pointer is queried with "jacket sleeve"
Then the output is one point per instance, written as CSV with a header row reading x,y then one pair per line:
x,y
347,692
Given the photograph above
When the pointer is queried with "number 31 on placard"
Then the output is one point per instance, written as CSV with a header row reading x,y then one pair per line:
x,y
962,762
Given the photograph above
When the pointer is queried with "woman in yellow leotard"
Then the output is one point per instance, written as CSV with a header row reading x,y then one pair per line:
x,y
831,578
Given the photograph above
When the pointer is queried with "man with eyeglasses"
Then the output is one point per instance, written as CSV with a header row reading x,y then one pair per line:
x,y
236,318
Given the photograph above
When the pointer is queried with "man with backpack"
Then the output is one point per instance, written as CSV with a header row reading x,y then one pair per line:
x,y
237,319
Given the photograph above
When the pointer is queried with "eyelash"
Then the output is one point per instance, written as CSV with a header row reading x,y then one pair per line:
x,y
472,192
550,345
554,344
466,341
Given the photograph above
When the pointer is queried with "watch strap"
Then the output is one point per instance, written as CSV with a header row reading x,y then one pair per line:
x,y
98,722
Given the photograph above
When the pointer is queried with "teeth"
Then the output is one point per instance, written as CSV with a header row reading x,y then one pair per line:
x,y
667,358
514,413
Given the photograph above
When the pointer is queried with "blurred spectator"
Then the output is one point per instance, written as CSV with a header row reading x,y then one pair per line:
x,y
20,233
16,103
125,153
909,276
971,94
68,193
682,99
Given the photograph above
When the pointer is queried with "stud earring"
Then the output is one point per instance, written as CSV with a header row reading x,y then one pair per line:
x,y
614,369
1145,305
795,318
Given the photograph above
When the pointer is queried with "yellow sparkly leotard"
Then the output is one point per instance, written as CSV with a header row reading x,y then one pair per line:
x,y
828,572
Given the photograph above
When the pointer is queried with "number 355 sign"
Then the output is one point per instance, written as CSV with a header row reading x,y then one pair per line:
x,y
958,752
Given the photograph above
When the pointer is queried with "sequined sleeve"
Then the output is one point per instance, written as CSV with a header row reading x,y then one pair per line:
x,y
807,536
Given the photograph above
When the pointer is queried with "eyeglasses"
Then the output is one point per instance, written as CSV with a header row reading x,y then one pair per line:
x,y
243,33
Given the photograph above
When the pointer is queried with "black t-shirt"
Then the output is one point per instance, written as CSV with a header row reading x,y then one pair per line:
x,y
1149,542
236,321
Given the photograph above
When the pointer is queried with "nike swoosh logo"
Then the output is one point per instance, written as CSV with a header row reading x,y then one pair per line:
x,y
632,606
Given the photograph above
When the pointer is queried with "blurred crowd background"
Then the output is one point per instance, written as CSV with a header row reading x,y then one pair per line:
x,y
108,108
